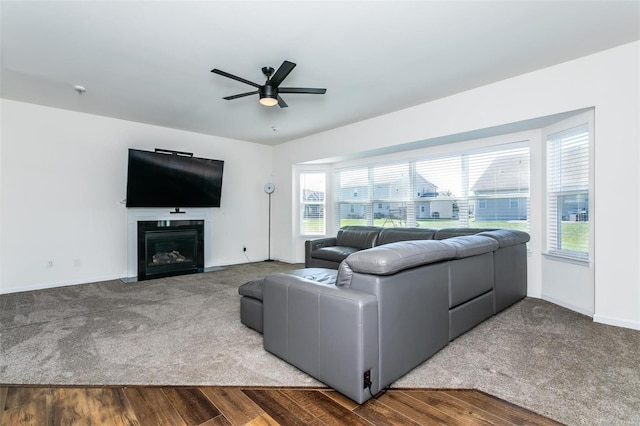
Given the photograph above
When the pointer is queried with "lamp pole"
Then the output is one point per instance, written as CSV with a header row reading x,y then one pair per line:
x,y
269,188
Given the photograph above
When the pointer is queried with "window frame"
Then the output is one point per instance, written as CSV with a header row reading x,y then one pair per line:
x,y
301,204
550,243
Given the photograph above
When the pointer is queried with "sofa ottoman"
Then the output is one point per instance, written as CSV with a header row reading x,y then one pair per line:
x,y
252,294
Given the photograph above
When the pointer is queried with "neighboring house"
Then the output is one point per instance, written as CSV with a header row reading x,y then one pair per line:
x,y
436,209
574,208
498,189
385,190
312,210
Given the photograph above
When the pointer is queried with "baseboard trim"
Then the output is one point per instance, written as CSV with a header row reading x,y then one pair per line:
x,y
575,308
603,319
58,284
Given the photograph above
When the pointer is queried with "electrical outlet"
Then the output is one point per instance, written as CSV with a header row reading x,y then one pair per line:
x,y
366,379
244,248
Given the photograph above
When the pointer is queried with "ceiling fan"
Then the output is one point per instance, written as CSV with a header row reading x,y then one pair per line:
x,y
270,91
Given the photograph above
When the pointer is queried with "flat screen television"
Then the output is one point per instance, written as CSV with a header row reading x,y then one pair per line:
x,y
171,179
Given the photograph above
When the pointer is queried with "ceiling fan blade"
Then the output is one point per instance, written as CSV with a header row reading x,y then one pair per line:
x,y
233,77
241,95
302,90
282,73
281,102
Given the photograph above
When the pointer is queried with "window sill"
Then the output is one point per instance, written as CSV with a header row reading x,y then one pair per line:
x,y
566,259
312,236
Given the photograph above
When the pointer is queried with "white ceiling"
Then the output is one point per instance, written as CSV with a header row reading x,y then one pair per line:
x,y
150,62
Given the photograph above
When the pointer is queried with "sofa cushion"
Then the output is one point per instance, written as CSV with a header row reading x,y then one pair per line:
x,y
393,235
507,237
252,289
393,257
255,288
334,253
360,237
319,275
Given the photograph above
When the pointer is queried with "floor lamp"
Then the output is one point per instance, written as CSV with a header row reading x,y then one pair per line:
x,y
269,188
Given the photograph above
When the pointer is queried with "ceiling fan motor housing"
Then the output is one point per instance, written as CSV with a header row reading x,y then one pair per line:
x,y
268,91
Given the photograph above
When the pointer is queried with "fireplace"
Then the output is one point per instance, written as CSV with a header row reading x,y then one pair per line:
x,y
170,247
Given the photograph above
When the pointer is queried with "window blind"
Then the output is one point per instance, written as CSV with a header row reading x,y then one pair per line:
x,y
488,188
312,203
568,193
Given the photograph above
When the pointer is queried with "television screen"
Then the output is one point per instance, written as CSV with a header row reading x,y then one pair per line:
x,y
159,179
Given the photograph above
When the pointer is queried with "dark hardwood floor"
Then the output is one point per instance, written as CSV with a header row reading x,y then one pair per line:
x,y
215,405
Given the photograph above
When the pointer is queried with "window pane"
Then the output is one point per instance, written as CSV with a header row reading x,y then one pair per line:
x,y
312,201
438,186
568,192
499,186
390,214
574,224
352,214
352,185
391,182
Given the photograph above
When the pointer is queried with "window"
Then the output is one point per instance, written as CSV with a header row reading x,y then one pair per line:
x,y
312,203
568,192
482,188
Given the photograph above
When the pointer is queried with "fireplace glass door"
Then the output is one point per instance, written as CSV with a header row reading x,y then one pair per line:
x,y
167,248
167,252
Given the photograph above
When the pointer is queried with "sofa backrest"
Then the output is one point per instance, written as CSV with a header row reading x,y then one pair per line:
x,y
472,245
391,258
393,235
444,233
360,237
507,237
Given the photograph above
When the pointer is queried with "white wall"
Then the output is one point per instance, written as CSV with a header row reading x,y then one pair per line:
x,y
63,177
608,81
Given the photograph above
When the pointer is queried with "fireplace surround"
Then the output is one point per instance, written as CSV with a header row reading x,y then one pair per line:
x,y
163,217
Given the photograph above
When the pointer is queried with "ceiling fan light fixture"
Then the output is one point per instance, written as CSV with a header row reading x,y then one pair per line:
x,y
268,101
268,95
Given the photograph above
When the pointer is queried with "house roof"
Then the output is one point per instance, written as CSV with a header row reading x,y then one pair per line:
x,y
150,62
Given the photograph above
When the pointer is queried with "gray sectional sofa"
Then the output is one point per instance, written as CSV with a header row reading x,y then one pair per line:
x,y
387,308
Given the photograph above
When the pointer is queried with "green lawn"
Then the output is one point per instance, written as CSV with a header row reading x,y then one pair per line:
x,y
575,236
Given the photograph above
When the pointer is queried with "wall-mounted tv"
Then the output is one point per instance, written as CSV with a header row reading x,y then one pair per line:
x,y
172,179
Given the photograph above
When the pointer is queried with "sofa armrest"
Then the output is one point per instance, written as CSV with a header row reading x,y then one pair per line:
x,y
328,332
315,244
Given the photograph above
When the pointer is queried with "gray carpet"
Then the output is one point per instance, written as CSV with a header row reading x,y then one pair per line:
x,y
186,331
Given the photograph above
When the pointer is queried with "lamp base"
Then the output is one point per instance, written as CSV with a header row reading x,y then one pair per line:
x,y
269,260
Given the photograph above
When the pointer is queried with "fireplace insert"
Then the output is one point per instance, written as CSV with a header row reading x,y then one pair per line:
x,y
170,247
